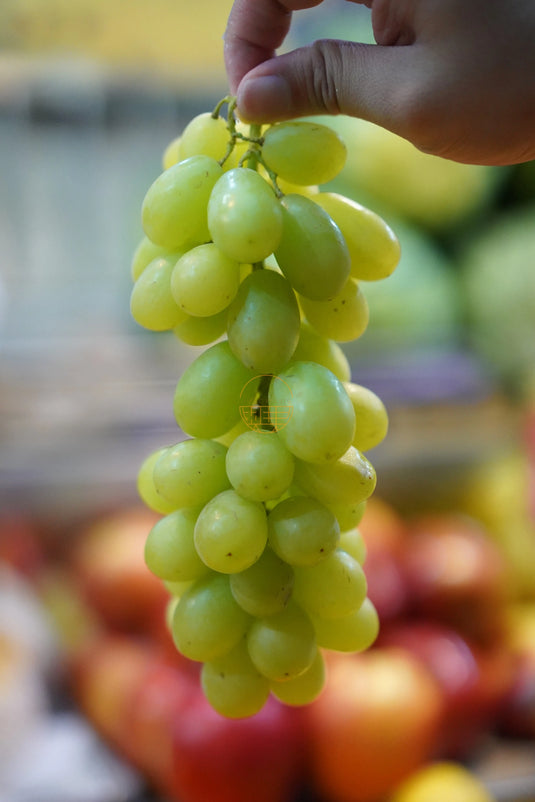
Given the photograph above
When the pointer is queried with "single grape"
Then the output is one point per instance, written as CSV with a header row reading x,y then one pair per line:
x,y
352,541
304,152
191,472
169,549
228,438
371,417
151,302
207,621
313,347
373,247
302,531
302,690
334,587
207,395
172,153
344,318
232,684
145,484
349,480
322,421
174,210
312,252
230,533
282,645
263,322
244,215
145,252
204,281
350,633
348,515
265,587
206,135
201,330
259,465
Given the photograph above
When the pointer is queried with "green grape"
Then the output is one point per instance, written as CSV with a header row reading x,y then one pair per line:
x,y
283,645
352,541
201,330
244,216
176,589
232,684
174,210
312,252
334,587
322,421
191,472
204,281
313,347
348,515
304,152
259,466
169,549
231,532
349,480
344,318
145,484
145,253
305,688
207,395
205,134
263,322
207,621
151,302
371,417
373,247
228,438
172,153
302,531
350,633
265,587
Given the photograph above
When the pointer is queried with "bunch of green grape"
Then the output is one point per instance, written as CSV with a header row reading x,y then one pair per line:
x,y
260,499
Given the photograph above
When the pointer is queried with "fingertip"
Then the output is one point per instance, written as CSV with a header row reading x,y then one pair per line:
x,y
264,98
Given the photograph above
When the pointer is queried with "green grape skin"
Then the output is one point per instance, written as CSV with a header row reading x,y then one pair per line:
x,y
263,322
151,302
230,533
322,421
172,153
207,396
207,621
349,480
313,347
343,318
305,688
204,281
355,632
145,252
332,588
176,589
348,515
228,438
303,152
174,209
232,684
170,552
191,472
145,484
201,330
283,645
259,466
352,541
312,252
373,247
302,531
244,216
371,417
206,135
265,587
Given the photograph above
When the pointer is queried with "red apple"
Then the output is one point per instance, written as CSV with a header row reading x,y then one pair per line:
x,y
375,723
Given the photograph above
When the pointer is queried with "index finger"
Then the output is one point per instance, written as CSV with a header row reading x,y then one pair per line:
x,y
255,29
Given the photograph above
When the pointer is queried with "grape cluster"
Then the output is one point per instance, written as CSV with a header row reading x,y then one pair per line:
x,y
258,539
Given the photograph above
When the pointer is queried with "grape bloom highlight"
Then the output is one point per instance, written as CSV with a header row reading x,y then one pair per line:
x,y
261,495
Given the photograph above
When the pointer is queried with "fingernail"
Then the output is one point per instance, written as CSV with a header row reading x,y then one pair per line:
x,y
266,97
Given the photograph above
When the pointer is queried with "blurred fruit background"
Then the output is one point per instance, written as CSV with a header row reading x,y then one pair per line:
x,y
95,706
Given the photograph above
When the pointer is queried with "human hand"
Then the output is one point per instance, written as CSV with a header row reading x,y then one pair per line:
x,y
455,78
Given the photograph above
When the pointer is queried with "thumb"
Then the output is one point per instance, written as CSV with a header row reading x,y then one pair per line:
x,y
329,77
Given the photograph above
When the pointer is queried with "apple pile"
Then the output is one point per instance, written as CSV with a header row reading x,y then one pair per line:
x,y
454,661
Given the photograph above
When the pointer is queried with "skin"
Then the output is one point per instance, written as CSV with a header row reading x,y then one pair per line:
x,y
454,77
